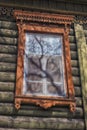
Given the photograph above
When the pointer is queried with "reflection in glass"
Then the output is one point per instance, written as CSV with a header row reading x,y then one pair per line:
x,y
43,65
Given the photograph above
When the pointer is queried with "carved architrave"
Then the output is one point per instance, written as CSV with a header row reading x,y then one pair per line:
x,y
24,20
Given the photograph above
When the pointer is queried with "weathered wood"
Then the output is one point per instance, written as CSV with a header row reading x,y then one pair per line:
x,y
5,76
76,81
6,97
9,96
8,58
18,129
73,47
7,86
11,67
78,92
8,33
9,109
72,39
74,55
78,101
8,49
71,32
8,25
75,71
7,40
74,63
44,123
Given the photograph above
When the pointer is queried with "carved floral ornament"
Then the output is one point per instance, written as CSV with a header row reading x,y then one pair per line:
x,y
42,49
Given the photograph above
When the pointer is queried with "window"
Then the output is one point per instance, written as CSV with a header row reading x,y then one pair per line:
x,y
43,65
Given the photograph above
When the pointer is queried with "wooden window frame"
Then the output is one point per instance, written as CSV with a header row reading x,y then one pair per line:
x,y
43,23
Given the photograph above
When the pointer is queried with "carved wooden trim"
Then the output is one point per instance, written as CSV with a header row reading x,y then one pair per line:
x,y
43,17
23,26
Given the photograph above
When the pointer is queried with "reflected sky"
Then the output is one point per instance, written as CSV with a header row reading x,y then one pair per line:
x,y
43,44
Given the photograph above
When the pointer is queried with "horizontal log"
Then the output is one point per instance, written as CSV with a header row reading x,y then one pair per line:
x,y
10,67
76,81
73,47
78,92
74,55
9,109
8,33
18,129
78,101
72,39
74,63
8,49
6,97
8,25
7,40
75,71
5,76
8,58
41,123
9,96
71,32
7,86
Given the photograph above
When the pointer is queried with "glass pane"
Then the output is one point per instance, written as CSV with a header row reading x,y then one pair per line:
x,y
43,65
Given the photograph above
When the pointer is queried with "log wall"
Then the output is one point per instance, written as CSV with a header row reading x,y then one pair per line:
x,y
32,117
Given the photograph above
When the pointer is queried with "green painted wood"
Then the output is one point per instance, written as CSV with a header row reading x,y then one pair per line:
x,y
82,53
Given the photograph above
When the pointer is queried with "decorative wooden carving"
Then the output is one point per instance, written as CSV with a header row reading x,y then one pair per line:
x,y
38,22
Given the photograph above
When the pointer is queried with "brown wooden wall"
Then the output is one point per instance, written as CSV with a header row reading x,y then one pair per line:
x,y
33,117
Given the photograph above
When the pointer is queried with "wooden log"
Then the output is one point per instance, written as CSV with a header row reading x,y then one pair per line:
x,y
78,92
9,96
9,109
6,97
18,129
75,71
73,47
5,76
78,101
74,55
76,81
10,67
8,58
8,33
74,63
71,32
8,25
72,39
41,123
8,49
9,41
7,86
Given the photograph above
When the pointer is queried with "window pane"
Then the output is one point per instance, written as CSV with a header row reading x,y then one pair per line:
x,y
43,65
